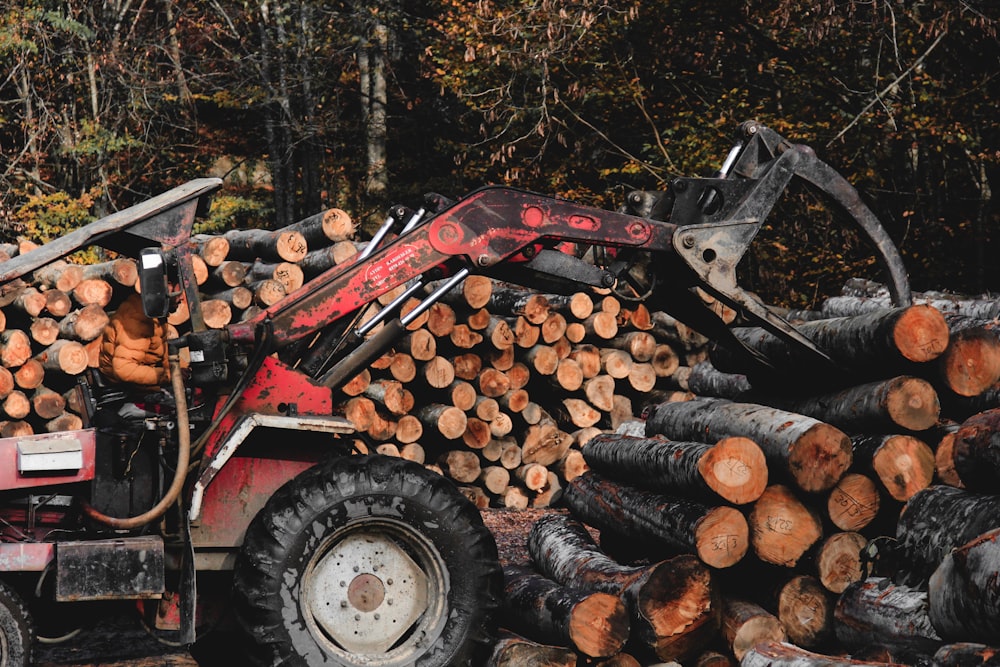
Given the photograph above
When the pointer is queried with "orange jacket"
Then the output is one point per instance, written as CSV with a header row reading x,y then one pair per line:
x,y
133,349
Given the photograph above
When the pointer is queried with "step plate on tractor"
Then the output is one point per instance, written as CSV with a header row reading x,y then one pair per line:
x,y
118,569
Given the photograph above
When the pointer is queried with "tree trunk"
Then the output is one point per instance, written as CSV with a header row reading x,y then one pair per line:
x,y
876,612
594,624
880,343
976,452
746,624
672,603
938,519
718,535
964,591
876,407
733,469
324,228
966,654
84,324
511,651
779,654
272,246
814,455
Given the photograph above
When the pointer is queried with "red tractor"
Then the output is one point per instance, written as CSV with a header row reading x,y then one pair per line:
x,y
244,473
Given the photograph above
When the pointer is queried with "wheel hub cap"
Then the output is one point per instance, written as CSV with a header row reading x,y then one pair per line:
x,y
367,592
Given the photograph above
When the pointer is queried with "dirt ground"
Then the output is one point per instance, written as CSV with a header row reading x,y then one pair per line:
x,y
119,640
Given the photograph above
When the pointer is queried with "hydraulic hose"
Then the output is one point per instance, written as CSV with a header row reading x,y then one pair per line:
x,y
183,459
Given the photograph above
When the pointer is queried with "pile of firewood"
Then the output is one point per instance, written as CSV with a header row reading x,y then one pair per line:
x,y
845,514
709,505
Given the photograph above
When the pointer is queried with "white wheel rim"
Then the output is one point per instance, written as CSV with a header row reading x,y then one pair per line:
x,y
375,592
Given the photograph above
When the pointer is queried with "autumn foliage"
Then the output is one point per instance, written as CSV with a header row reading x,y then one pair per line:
x,y
107,103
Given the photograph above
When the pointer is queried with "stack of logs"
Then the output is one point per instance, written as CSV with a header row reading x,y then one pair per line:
x,y
706,506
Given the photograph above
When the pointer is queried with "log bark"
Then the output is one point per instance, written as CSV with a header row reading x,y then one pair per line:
x,y
510,651
780,654
512,301
211,248
941,518
880,343
273,246
966,654
594,624
746,624
122,271
876,612
718,535
812,454
902,402
84,324
672,604
64,355
964,591
324,228
59,275
782,528
447,420
733,469
971,363
976,452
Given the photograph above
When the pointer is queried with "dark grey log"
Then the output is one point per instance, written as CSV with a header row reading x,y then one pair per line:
x,y
671,604
882,406
976,452
733,469
938,519
877,612
810,453
595,624
718,535
964,591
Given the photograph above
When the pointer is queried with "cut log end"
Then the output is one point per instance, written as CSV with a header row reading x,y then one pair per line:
x,y
722,537
736,469
854,502
921,333
820,458
914,404
905,465
599,625
971,364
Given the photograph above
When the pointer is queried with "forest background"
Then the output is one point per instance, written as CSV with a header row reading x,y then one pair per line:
x,y
303,105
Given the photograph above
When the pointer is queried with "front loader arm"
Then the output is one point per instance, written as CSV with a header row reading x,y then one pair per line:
x,y
710,226
491,226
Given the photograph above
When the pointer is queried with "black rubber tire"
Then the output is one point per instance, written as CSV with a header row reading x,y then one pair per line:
x,y
17,635
313,511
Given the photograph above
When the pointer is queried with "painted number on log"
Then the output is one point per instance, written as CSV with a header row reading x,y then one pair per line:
x,y
780,524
